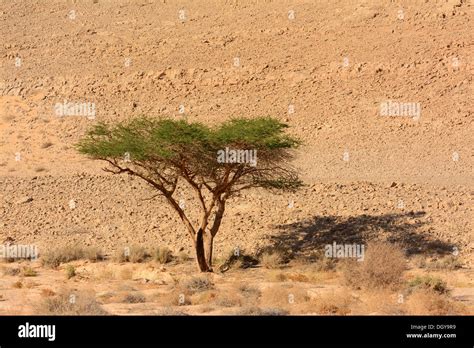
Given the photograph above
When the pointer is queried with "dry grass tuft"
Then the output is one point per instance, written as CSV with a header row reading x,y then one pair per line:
x,y
69,303
134,254
10,271
272,259
197,284
163,255
428,302
428,282
270,311
330,303
70,271
55,257
382,267
28,272
136,297
448,263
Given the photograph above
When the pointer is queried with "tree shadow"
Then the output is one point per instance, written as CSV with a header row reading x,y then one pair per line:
x,y
311,235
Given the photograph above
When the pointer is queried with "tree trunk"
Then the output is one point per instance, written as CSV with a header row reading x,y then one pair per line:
x,y
208,244
202,252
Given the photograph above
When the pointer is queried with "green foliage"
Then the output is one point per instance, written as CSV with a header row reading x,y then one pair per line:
x,y
262,133
429,282
168,149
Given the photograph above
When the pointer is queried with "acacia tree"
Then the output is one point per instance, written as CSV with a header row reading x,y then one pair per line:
x,y
213,161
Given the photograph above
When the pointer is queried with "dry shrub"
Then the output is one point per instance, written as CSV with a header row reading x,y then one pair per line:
x,y
54,258
249,293
428,282
134,254
317,262
227,299
283,297
331,303
379,302
163,255
204,297
134,298
17,285
173,298
271,311
236,259
272,259
10,271
448,263
170,311
28,272
137,254
197,284
71,303
382,267
70,271
429,302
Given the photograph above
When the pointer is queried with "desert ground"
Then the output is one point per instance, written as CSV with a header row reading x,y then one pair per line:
x,y
401,183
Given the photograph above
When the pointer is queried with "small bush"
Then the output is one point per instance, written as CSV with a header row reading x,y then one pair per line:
x,y
227,300
92,254
66,304
252,310
55,257
134,254
70,271
134,298
449,263
382,267
203,297
163,255
10,271
138,254
249,291
428,282
237,259
333,303
271,259
428,302
170,311
29,272
197,284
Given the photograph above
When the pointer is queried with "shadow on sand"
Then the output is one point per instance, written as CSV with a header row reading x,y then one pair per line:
x,y
311,235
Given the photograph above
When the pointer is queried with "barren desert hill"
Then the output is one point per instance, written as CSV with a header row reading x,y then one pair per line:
x,y
325,67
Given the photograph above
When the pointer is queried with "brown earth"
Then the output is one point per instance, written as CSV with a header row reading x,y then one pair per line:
x,y
402,180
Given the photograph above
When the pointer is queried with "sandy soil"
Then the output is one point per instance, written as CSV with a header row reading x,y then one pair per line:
x,y
324,67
